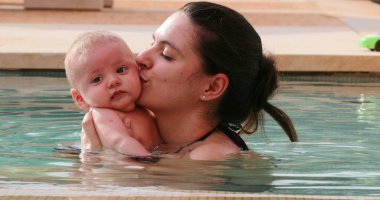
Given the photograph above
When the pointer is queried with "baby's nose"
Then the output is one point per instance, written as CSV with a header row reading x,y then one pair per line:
x,y
113,82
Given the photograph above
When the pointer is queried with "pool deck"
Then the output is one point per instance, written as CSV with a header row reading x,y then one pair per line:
x,y
304,35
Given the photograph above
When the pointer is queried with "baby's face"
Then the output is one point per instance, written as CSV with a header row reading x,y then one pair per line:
x,y
109,77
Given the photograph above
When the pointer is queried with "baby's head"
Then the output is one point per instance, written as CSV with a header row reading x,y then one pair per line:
x,y
102,72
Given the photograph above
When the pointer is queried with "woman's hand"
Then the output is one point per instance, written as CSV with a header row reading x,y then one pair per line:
x,y
90,141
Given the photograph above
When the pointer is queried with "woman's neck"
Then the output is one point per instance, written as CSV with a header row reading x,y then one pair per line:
x,y
178,128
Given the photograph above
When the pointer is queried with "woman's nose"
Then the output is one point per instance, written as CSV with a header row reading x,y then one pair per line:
x,y
144,61
114,81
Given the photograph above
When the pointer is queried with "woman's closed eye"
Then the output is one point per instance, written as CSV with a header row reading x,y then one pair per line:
x,y
168,58
167,53
121,69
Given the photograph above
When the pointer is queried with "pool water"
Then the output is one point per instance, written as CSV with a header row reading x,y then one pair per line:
x,y
338,126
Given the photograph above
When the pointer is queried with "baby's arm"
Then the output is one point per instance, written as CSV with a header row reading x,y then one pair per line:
x,y
144,128
114,134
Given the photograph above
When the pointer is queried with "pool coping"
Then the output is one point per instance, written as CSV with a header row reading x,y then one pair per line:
x,y
332,77
285,62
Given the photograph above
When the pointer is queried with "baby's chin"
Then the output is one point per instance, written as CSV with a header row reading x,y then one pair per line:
x,y
124,107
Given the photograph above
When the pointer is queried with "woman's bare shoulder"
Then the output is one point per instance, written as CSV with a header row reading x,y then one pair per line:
x,y
216,147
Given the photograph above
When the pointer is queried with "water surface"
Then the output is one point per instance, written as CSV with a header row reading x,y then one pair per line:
x,y
338,125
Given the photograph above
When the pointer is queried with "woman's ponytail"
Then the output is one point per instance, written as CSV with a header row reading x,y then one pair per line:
x,y
283,120
264,86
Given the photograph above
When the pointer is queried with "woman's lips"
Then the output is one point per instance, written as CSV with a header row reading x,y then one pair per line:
x,y
143,80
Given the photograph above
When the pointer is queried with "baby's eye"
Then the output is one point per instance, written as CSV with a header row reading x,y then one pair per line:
x,y
96,79
121,70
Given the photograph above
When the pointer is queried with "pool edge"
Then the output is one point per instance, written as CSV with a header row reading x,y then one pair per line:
x,y
170,194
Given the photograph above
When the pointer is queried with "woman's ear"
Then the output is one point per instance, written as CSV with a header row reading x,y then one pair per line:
x,y
215,88
78,99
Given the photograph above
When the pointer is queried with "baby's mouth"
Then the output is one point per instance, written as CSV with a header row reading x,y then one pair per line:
x,y
116,94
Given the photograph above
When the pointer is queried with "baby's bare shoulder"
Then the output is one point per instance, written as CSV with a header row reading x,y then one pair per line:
x,y
138,113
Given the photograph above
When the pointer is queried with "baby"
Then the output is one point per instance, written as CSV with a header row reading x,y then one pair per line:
x,y
104,77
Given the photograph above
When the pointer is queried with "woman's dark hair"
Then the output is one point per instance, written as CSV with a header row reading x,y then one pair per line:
x,y
228,44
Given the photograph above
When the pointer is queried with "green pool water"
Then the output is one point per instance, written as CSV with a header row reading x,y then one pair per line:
x,y
338,125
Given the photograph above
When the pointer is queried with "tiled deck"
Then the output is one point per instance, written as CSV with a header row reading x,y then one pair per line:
x,y
305,36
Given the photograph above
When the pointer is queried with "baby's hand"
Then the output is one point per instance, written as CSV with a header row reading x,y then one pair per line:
x,y
128,125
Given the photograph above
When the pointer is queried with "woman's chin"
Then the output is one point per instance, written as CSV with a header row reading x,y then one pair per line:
x,y
147,102
141,100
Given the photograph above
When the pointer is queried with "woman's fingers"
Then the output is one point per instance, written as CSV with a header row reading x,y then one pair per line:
x,y
89,137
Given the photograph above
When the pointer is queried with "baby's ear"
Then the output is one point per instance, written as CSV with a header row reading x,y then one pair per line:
x,y
78,99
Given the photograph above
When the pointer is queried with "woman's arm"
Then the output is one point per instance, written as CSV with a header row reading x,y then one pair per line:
x,y
90,141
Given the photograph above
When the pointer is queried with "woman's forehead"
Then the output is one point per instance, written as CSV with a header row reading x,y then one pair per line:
x,y
177,28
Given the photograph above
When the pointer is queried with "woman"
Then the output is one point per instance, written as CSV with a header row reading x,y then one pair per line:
x,y
205,77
